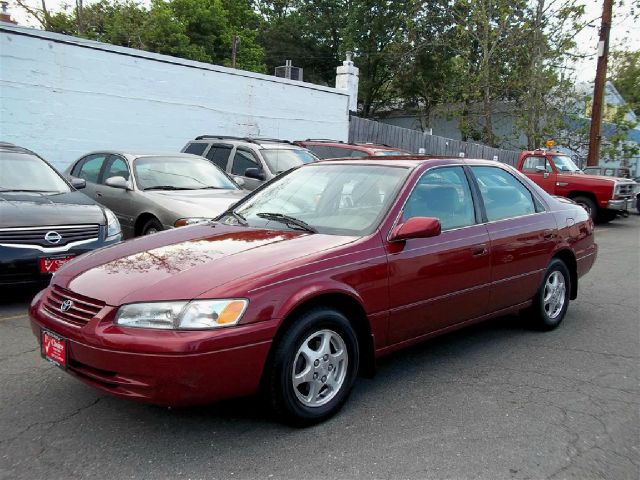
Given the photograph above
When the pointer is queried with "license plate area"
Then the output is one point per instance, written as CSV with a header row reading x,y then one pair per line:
x,y
52,264
54,348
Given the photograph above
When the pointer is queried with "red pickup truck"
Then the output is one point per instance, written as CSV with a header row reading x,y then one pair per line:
x,y
603,197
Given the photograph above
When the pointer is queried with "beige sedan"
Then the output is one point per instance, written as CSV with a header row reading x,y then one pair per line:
x,y
153,192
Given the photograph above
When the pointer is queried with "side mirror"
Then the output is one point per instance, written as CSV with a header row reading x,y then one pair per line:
x,y
117,182
255,173
540,169
240,181
416,227
78,183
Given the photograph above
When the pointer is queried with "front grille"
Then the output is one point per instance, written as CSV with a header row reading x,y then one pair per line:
x,y
625,189
59,236
82,308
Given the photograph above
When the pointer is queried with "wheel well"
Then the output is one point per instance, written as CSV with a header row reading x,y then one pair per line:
x,y
590,195
569,259
354,312
140,221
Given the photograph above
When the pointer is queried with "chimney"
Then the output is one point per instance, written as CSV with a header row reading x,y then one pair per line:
x,y
347,78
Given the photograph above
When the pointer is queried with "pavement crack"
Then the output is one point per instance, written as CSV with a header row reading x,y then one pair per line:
x,y
52,423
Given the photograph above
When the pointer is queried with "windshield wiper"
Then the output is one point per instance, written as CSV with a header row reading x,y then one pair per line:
x,y
167,187
287,220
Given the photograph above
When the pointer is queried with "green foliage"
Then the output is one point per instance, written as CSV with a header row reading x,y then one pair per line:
x,y
625,75
200,30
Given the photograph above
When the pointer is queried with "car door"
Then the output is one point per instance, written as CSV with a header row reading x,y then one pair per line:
x,y
532,168
439,281
119,200
243,159
522,234
90,168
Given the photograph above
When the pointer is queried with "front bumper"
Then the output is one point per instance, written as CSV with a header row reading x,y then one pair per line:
x,y
22,265
622,204
161,367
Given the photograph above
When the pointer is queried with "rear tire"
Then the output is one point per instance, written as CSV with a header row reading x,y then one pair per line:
x,y
313,368
552,299
153,225
588,204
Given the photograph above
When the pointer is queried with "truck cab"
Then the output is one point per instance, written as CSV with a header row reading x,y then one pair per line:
x,y
603,197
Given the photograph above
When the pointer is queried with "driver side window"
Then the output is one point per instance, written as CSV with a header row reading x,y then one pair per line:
x,y
442,193
242,160
533,164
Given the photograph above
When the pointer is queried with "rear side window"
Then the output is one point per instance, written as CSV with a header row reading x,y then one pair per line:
x,y
219,154
503,195
90,168
196,148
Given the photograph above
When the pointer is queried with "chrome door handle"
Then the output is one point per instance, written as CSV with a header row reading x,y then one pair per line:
x,y
480,250
548,234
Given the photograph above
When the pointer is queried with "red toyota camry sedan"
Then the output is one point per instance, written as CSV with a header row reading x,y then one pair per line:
x,y
304,283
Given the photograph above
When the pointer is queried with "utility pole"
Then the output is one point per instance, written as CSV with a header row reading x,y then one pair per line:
x,y
234,50
598,89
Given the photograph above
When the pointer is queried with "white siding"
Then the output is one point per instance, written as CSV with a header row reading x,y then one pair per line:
x,y
62,97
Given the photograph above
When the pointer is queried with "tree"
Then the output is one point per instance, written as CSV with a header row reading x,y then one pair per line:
x,y
625,75
195,29
540,83
428,69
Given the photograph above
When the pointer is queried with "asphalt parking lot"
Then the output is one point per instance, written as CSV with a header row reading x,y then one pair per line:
x,y
494,401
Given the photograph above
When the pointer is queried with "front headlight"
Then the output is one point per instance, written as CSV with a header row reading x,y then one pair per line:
x,y
194,315
182,222
113,225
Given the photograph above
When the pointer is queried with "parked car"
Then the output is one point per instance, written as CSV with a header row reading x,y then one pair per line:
x,y
153,192
620,172
303,301
604,198
337,149
44,220
254,160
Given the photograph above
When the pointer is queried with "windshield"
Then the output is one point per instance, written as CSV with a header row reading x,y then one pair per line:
x,y
179,173
565,164
280,159
24,172
331,199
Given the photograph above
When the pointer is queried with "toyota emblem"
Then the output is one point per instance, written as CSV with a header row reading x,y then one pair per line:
x,y
53,237
66,305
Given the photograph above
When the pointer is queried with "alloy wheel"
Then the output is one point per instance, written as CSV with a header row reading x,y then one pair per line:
x,y
320,368
554,294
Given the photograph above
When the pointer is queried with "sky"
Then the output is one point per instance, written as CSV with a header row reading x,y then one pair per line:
x,y
623,35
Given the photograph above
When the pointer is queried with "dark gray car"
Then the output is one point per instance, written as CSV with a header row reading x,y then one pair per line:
x,y
150,192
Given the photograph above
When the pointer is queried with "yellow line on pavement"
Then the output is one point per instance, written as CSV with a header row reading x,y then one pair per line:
x,y
13,317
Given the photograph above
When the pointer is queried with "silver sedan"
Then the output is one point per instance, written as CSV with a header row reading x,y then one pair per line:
x,y
153,192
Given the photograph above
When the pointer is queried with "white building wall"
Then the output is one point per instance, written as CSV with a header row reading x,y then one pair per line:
x,y
62,97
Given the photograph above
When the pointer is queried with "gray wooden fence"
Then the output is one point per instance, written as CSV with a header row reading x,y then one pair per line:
x,y
362,130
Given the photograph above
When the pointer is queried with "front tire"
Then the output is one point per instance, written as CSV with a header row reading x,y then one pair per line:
x,y
552,300
152,226
588,204
314,367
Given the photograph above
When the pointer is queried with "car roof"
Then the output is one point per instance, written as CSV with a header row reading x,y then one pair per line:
x,y
11,148
259,142
347,145
410,161
133,154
